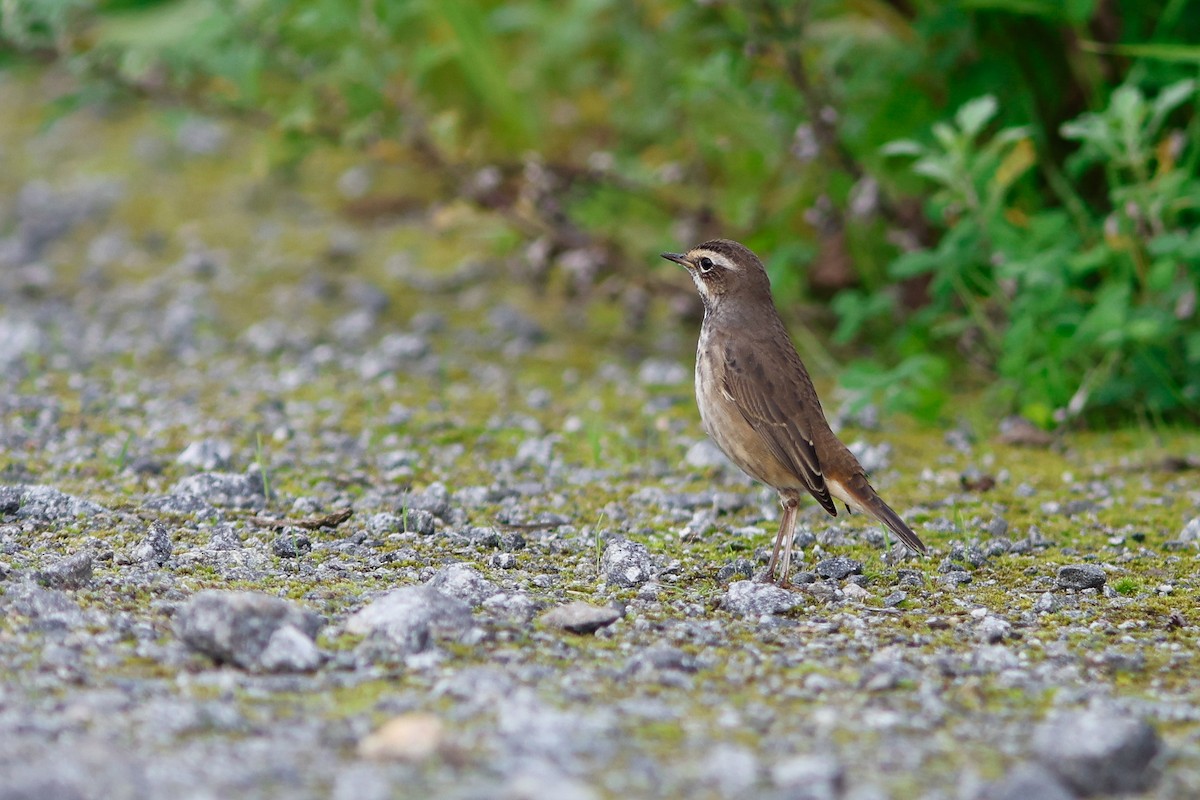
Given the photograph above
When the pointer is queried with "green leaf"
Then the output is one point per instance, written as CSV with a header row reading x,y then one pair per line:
x,y
1175,53
973,116
1170,98
917,262
935,168
903,147
160,26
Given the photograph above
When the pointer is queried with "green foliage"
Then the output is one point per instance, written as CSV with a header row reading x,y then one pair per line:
x,y
1057,253
1125,586
1092,314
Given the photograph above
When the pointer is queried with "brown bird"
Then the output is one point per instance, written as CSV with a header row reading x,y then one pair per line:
x,y
758,403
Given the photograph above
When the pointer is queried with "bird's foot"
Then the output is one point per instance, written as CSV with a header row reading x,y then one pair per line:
x,y
766,576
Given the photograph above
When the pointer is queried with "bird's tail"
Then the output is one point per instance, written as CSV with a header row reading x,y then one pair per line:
x,y
857,493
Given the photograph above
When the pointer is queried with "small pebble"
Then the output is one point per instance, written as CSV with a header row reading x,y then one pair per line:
x,y
408,737
580,617
838,568
626,564
291,543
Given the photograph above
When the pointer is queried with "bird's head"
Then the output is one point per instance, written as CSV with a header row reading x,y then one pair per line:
x,y
724,272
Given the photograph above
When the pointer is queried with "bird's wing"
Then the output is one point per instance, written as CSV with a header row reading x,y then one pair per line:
x,y
773,405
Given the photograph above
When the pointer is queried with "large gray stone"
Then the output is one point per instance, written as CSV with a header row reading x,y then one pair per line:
x,y
463,582
752,599
411,617
1098,751
252,630
1081,576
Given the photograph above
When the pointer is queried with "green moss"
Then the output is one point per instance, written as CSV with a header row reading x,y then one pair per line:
x,y
1125,586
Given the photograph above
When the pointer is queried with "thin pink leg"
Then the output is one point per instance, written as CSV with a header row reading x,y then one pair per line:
x,y
787,525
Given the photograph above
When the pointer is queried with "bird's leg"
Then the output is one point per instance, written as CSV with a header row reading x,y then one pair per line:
x,y
789,518
787,525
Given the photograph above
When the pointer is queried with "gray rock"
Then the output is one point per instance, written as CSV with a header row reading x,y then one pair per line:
x,y
738,569
810,777
206,455
991,629
495,539
659,372
518,606
254,631
48,504
1047,603
394,352
435,499
626,563
731,769
72,572
873,457
503,561
957,577
542,781
224,537
997,528
463,582
292,542
200,136
703,520
703,454
290,649
1026,782
973,555
10,497
19,338
156,548
660,658
24,785
1191,531
536,451
580,617
384,522
224,489
410,618
362,781
418,520
1081,576
45,213
752,599
185,504
838,568
997,547
46,608
1098,751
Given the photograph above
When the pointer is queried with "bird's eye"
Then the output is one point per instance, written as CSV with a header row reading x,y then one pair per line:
x,y
705,263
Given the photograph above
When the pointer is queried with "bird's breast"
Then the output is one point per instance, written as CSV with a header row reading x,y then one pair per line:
x,y
725,424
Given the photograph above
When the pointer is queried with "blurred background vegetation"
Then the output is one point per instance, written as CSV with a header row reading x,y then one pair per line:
x,y
1009,185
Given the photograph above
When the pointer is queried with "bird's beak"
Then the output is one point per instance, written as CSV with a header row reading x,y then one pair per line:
x,y
678,258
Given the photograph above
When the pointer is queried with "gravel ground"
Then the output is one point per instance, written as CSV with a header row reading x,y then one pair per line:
x,y
295,509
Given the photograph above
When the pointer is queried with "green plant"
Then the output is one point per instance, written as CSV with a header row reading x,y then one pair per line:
x,y
263,471
1090,314
1125,586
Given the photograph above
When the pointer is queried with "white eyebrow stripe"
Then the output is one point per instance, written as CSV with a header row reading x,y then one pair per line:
x,y
718,259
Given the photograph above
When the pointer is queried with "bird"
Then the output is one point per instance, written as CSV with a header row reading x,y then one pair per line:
x,y
758,404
